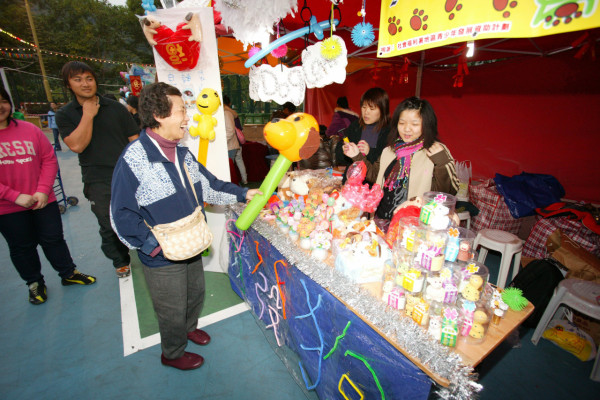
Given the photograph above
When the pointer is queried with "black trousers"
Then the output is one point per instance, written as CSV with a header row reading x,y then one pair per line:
x,y
98,193
27,229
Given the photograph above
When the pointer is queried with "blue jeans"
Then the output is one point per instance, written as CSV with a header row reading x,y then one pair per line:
x,y
56,139
177,293
25,230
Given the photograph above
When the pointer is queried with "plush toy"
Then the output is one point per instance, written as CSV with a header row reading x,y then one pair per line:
x,y
194,26
292,186
208,103
149,26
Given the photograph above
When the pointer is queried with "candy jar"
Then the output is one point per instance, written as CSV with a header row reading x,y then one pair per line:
x,y
437,208
412,299
320,242
473,274
481,323
434,329
403,260
413,280
430,250
395,297
466,238
420,313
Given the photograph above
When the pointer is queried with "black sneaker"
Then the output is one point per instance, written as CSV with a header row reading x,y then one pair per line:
x,y
78,278
37,293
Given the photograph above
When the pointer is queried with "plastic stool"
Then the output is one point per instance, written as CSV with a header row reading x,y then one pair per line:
x,y
507,244
465,216
583,296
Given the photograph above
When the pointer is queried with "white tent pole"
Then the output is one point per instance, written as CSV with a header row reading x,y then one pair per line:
x,y
420,75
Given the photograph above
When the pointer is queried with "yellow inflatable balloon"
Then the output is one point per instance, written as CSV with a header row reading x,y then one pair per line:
x,y
208,102
296,137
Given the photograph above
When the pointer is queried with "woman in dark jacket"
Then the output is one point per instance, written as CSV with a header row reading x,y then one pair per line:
x,y
152,185
371,130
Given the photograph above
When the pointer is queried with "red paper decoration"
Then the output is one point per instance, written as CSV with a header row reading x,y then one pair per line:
x,y
175,48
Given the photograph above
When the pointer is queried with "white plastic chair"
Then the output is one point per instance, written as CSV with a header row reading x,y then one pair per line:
x,y
583,296
507,244
465,216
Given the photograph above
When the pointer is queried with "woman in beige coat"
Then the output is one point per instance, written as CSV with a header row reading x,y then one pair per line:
x,y
414,161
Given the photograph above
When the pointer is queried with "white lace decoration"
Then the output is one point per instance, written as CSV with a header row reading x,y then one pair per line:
x,y
251,20
280,84
319,71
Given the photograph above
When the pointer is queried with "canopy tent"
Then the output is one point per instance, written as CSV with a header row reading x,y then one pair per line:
x,y
527,104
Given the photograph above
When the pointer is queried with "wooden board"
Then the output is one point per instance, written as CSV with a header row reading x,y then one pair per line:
x,y
473,354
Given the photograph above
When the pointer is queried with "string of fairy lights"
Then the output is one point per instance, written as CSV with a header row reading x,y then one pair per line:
x,y
21,52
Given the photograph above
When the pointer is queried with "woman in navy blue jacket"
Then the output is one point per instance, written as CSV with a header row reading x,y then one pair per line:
x,y
150,185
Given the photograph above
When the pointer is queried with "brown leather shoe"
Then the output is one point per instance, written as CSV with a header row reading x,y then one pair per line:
x,y
185,362
199,337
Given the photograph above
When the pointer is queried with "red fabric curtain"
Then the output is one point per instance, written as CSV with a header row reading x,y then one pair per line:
x,y
539,115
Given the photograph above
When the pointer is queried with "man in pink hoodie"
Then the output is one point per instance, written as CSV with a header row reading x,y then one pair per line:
x,y
29,214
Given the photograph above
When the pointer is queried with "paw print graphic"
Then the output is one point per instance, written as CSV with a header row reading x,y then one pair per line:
x,y
566,12
452,5
416,21
394,26
501,5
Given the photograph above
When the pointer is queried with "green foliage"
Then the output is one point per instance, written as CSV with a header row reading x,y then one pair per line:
x,y
86,28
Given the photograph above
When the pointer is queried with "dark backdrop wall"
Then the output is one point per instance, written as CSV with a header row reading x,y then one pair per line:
x,y
539,115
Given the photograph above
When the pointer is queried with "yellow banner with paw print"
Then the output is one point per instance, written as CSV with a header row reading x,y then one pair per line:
x,y
406,26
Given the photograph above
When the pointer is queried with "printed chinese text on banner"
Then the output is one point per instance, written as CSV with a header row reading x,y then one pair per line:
x,y
407,26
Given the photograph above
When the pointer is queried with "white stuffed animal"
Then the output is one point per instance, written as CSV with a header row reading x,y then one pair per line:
x,y
149,25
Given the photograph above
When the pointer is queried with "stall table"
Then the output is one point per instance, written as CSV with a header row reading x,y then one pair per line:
x,y
338,339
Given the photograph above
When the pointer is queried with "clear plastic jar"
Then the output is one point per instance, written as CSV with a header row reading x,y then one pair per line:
x,y
437,208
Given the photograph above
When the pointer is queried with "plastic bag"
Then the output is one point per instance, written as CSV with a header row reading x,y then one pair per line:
x,y
525,192
464,173
570,338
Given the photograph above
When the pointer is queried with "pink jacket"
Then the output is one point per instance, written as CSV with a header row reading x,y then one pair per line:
x,y
27,165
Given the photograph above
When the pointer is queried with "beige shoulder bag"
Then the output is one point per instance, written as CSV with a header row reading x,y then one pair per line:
x,y
185,238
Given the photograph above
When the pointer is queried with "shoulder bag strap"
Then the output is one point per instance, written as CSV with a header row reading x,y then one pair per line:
x,y
191,184
190,181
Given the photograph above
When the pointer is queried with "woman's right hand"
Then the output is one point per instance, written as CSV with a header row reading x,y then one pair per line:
x,y
350,149
25,200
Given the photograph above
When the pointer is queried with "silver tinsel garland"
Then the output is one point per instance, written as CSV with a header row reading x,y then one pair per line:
x,y
407,334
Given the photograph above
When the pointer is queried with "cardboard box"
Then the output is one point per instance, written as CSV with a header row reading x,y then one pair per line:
x,y
254,133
